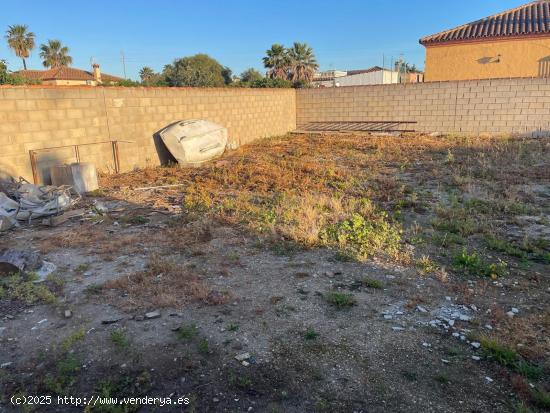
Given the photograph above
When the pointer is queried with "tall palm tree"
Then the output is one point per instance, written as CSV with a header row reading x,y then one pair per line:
x,y
277,61
303,63
21,41
54,54
146,74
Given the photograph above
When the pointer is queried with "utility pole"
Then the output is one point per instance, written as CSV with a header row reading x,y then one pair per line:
x,y
383,68
123,63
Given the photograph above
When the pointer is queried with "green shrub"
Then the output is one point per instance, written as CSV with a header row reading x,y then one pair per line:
x,y
271,83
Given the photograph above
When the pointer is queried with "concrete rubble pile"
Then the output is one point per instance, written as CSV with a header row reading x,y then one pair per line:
x,y
23,201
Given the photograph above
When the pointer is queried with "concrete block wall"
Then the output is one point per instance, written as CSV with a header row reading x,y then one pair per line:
x,y
43,117
471,107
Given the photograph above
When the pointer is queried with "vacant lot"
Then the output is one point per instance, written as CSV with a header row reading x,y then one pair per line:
x,y
359,273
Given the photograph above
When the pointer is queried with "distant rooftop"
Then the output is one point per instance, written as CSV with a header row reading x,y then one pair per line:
x,y
65,73
361,71
324,76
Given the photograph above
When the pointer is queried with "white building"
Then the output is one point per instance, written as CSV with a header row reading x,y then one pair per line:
x,y
373,76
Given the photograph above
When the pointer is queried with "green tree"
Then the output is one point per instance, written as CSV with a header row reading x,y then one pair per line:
x,y
251,75
199,70
277,62
7,78
303,63
21,41
146,74
227,74
54,54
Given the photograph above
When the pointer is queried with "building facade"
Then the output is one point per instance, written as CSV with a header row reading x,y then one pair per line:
x,y
511,44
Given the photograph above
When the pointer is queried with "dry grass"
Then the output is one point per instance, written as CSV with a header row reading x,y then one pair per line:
x,y
301,187
93,239
528,335
164,283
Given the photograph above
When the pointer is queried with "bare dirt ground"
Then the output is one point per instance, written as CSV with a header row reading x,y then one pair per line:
x,y
360,273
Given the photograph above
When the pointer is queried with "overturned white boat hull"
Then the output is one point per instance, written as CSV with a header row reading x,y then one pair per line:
x,y
192,142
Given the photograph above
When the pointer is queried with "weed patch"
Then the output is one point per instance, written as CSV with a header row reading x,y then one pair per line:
x,y
203,347
425,265
311,334
501,245
187,332
455,221
541,398
66,370
119,339
341,300
508,357
72,339
362,238
442,378
24,287
372,283
115,388
473,264
232,327
133,219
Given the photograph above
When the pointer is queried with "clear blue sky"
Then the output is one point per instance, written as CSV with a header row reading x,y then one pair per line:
x,y
351,34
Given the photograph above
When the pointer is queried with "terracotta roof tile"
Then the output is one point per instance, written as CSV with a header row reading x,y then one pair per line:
x,y
65,73
527,20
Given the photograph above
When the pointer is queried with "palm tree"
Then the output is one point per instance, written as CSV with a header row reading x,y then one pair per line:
x,y
277,61
146,74
303,63
20,41
54,54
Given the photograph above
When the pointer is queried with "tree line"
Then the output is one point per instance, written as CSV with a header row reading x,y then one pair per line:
x,y
286,67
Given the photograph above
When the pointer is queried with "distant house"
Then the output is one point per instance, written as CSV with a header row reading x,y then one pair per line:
x,y
69,76
514,43
375,75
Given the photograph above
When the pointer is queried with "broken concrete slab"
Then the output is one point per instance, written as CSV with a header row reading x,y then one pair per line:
x,y
152,314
